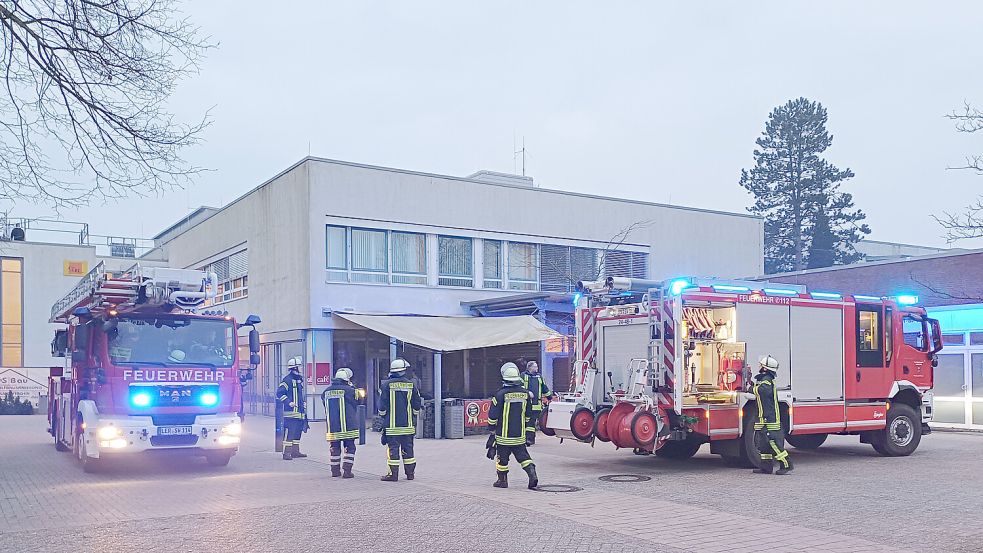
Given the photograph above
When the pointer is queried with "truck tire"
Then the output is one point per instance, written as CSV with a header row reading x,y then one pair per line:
x,y
582,424
218,458
679,449
902,434
748,456
89,465
806,441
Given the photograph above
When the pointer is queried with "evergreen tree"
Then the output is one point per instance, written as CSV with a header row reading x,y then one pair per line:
x,y
797,192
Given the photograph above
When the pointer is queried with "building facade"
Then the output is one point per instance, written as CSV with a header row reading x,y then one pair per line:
x,y
327,238
950,286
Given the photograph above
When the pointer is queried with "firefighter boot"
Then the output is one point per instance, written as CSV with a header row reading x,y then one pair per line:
x,y
533,478
767,466
296,452
335,471
503,480
784,469
348,471
410,470
288,453
393,475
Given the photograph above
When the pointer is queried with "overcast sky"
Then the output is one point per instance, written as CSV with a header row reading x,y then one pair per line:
x,y
653,101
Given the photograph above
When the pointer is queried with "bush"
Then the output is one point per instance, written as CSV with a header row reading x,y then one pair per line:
x,y
10,405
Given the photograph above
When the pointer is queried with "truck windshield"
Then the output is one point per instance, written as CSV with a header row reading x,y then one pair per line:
x,y
172,341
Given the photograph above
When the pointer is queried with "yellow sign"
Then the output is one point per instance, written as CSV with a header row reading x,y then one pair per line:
x,y
75,268
556,345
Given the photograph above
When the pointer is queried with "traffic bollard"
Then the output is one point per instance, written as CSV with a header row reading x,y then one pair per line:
x,y
361,410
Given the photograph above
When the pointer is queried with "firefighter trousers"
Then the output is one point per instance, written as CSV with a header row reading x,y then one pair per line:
x,y
520,453
771,445
334,453
294,428
399,446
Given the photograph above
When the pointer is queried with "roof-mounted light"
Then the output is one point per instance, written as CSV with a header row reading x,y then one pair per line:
x,y
730,288
677,286
860,297
780,292
907,299
826,295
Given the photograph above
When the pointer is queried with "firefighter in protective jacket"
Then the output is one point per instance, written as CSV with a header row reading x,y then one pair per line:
x,y
511,408
534,382
341,420
768,434
290,394
399,404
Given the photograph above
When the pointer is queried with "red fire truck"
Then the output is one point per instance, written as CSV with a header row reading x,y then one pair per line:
x,y
666,366
143,371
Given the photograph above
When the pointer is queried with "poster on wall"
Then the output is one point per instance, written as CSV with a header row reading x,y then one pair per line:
x,y
25,383
476,412
319,374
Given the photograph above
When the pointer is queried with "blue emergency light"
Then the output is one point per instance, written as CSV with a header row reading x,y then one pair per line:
x,y
208,399
678,286
907,299
140,399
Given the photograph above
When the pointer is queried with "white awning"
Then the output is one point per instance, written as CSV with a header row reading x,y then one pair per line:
x,y
455,333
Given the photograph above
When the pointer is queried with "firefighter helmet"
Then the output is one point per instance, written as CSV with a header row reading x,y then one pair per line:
x,y
510,373
399,365
176,356
768,362
344,373
294,363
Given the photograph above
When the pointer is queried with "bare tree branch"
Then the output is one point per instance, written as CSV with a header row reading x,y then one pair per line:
x,y
968,224
958,295
83,92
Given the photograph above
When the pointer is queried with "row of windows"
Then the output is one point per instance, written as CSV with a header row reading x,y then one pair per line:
x,y
362,255
233,280
11,312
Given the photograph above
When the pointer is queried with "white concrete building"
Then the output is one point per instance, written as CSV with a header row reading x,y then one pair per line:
x,y
324,238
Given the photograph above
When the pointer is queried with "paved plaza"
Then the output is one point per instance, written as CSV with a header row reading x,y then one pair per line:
x,y
840,498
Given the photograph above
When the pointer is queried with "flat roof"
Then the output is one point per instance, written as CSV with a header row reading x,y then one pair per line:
x,y
926,257
449,177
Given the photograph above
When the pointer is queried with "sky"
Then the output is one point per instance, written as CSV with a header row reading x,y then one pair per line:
x,y
652,101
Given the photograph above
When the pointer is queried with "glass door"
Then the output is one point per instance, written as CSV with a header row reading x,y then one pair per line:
x,y
950,389
976,388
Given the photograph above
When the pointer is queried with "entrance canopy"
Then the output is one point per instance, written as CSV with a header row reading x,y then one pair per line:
x,y
455,333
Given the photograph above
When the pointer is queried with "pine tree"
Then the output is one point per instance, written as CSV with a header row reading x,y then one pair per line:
x,y
792,185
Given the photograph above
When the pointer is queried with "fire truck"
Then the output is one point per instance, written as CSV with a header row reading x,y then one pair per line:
x,y
666,366
143,371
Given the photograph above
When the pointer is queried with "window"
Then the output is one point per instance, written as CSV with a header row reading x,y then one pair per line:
x,y
233,279
619,263
523,266
869,350
455,261
954,339
976,338
409,258
138,341
370,256
493,263
336,253
563,266
888,335
12,312
914,333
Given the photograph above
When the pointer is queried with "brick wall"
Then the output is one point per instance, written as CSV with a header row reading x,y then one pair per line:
x,y
941,280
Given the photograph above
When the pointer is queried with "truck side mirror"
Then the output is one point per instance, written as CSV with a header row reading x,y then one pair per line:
x,y
254,359
81,340
253,342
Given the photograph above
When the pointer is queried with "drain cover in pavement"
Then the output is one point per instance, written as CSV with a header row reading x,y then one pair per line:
x,y
625,478
557,488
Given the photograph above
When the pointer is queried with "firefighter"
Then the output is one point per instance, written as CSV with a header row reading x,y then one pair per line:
x,y
536,384
399,404
341,421
511,408
290,394
768,434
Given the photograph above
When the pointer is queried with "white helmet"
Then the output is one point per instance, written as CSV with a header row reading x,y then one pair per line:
x,y
294,363
768,362
510,373
345,374
399,365
176,356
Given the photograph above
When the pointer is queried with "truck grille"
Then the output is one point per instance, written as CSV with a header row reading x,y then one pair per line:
x,y
173,420
182,440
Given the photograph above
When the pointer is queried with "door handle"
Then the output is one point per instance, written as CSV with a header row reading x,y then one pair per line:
x,y
858,375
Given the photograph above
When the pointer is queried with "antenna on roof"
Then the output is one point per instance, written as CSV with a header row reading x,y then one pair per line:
x,y
517,152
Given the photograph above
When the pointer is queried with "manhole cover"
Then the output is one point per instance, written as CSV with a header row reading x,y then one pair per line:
x,y
625,478
557,488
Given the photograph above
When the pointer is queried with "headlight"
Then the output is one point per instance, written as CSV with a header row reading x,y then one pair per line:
x,y
108,432
233,429
360,393
118,443
228,440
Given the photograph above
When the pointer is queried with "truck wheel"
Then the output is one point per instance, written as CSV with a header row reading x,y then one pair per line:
x,y
89,464
543,419
679,449
601,425
902,434
806,441
748,456
218,459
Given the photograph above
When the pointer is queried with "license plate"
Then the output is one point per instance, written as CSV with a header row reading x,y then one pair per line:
x,y
173,430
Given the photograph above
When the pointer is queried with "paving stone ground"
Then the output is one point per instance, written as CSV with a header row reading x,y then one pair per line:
x,y
842,497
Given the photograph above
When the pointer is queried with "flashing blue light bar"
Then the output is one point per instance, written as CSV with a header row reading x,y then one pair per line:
x,y
140,399
576,298
729,288
780,292
866,298
678,286
907,299
826,296
209,399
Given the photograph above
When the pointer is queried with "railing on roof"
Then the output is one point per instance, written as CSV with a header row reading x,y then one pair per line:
x,y
52,231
